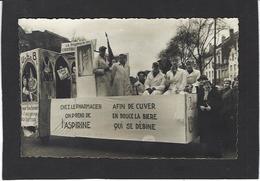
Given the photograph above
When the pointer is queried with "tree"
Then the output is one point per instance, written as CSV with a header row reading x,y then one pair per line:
x,y
182,43
168,55
178,49
198,34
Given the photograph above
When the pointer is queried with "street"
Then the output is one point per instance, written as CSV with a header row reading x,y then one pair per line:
x,y
96,148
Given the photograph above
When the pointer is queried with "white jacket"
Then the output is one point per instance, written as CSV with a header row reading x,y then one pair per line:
x,y
177,81
158,82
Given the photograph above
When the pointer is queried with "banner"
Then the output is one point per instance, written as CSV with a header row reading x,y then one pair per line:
x,y
71,46
138,118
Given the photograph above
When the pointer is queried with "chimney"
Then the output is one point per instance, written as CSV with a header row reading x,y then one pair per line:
x,y
223,38
231,32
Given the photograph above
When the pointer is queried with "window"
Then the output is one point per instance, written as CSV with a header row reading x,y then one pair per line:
x,y
219,74
209,75
231,68
235,68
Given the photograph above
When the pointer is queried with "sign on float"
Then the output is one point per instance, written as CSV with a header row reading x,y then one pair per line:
x,y
168,119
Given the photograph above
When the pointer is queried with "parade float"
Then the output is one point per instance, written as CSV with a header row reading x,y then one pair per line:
x,y
59,98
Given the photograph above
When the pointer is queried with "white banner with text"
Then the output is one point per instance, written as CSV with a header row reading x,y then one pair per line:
x,y
138,118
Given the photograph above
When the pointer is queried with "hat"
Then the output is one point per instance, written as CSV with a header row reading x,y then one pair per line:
x,y
102,48
175,63
203,77
189,62
122,55
227,80
155,64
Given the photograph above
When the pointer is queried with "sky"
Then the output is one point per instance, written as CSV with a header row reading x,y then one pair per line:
x,y
143,39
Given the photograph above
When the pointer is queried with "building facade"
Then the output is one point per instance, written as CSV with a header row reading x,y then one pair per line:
x,y
233,63
226,59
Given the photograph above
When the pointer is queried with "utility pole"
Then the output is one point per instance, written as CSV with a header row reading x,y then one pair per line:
x,y
214,52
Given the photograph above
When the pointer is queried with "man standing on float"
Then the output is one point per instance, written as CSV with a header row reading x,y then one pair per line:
x,y
101,69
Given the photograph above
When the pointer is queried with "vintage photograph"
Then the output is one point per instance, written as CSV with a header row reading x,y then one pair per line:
x,y
88,83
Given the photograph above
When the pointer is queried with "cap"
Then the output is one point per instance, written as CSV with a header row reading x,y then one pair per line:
x,y
189,62
227,80
102,48
203,77
122,56
155,64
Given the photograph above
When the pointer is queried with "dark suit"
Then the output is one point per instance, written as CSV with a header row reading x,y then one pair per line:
x,y
229,117
209,121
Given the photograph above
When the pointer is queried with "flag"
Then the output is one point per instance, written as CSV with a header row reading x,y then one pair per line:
x,y
110,52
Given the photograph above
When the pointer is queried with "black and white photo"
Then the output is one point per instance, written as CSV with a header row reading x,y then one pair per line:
x,y
160,81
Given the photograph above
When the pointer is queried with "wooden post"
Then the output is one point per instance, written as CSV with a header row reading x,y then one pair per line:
x,y
44,119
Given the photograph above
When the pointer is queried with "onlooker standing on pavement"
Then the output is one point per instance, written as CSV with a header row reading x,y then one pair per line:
x,y
229,116
226,86
209,122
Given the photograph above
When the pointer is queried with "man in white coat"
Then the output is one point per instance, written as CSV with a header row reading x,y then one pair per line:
x,y
176,79
155,81
192,77
120,77
102,73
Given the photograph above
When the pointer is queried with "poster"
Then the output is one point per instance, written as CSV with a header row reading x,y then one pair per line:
x,y
29,87
85,60
63,73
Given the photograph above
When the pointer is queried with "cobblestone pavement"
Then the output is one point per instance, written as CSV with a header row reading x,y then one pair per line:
x,y
83,147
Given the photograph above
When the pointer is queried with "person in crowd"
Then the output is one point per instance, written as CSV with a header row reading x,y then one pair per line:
x,y
229,116
120,77
102,73
199,86
176,79
209,123
192,77
201,80
226,87
155,81
139,85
